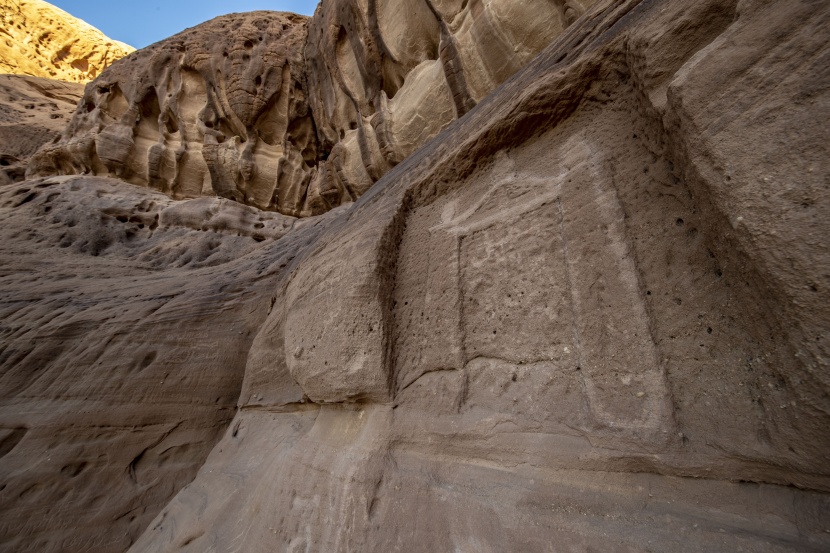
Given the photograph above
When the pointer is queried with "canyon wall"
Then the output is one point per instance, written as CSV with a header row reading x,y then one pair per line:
x,y
42,40
216,110
589,314
33,112
295,115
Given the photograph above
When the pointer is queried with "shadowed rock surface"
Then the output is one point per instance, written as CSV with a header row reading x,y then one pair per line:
x,y
44,41
588,315
33,111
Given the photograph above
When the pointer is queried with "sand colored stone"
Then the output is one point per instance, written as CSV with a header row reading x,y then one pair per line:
x,y
33,112
42,40
296,115
588,315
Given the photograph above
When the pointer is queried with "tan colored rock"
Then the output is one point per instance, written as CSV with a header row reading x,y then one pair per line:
x,y
590,315
112,394
385,77
215,110
42,40
580,339
33,111
296,118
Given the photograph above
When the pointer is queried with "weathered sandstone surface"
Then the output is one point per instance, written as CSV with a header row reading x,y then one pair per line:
x,y
217,110
295,115
41,40
589,315
33,112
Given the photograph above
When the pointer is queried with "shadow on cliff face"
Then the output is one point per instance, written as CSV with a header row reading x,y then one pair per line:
x,y
593,306
126,321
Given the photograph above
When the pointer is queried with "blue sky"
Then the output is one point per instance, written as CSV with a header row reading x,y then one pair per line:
x,y
142,23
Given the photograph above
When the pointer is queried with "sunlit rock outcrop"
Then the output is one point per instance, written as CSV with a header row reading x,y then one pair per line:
x,y
41,40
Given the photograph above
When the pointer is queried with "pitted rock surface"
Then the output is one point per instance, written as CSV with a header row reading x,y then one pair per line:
x,y
33,112
588,315
215,110
42,40
295,115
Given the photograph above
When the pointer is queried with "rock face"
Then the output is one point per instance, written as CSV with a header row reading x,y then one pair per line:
x,y
296,116
113,394
218,109
385,77
43,41
33,111
590,314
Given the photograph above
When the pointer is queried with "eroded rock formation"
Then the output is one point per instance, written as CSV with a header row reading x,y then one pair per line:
x,y
218,109
385,77
44,41
296,116
33,112
589,315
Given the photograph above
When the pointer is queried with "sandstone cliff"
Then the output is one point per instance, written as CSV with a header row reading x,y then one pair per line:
x,y
296,116
218,109
590,314
33,112
41,40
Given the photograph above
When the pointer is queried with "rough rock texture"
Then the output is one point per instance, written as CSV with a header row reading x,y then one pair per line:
x,y
33,111
386,76
126,321
299,117
217,110
589,315
41,40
